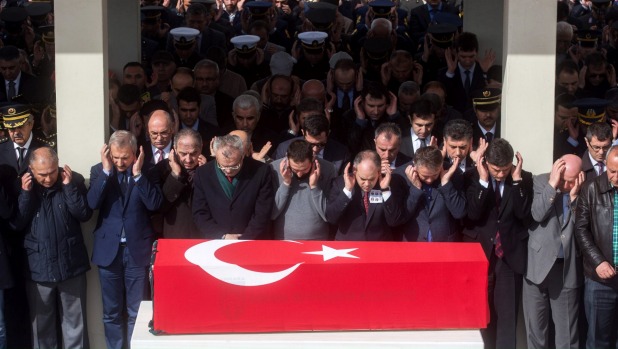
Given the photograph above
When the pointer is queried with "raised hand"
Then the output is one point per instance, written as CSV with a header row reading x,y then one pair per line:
x,y
358,108
137,166
26,181
517,170
578,184
488,60
417,73
391,109
385,182
201,160
67,175
385,73
106,158
480,151
451,60
262,154
413,176
174,165
292,123
573,126
445,176
433,142
285,171
349,178
557,170
315,175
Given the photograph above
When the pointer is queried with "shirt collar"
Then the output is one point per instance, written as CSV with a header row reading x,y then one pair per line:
x,y
27,145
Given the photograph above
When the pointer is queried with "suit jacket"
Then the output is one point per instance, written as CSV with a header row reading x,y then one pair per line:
x,y
441,215
334,152
548,232
455,91
407,148
175,217
10,173
511,220
352,222
563,147
32,90
589,170
246,213
115,213
207,132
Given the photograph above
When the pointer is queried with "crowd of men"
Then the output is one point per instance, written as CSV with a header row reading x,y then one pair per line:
x,y
375,121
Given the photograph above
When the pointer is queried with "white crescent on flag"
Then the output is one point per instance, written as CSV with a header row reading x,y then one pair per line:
x,y
203,255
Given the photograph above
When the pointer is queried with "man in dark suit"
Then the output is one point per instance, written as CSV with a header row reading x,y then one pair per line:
x,y
499,196
458,145
14,158
198,17
160,133
436,198
364,204
554,277
422,117
315,132
123,236
486,119
188,113
344,80
233,195
20,87
6,277
464,74
568,135
175,218
207,82
388,143
598,141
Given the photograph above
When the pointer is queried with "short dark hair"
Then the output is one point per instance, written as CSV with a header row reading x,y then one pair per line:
x,y
595,59
430,157
152,105
434,99
129,94
133,64
601,130
499,152
567,66
564,100
315,125
467,42
458,130
388,128
9,53
376,90
423,109
189,94
197,9
309,104
434,84
300,150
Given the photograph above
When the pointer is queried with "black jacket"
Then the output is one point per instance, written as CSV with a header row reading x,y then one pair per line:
x,y
593,226
54,243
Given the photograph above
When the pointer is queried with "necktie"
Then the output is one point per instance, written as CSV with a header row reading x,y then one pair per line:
x,y
601,167
122,180
498,242
159,156
489,137
20,158
467,82
427,192
11,92
229,179
366,203
422,143
345,103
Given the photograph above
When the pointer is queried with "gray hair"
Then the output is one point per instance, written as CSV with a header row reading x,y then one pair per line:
x,y
564,28
45,153
383,22
123,139
408,88
367,155
228,141
206,64
388,129
188,133
245,102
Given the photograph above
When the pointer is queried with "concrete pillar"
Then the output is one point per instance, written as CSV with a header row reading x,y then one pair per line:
x,y
529,78
83,57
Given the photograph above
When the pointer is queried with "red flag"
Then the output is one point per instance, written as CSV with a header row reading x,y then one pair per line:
x,y
268,286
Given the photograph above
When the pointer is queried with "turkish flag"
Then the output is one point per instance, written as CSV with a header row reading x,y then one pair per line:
x,y
222,286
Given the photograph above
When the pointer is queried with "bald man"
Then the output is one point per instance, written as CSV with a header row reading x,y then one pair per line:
x,y
161,130
314,89
554,275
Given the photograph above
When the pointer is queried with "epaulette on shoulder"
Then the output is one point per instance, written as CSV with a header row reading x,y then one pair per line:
x,y
47,142
4,139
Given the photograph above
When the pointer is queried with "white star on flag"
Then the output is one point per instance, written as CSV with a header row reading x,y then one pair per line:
x,y
330,253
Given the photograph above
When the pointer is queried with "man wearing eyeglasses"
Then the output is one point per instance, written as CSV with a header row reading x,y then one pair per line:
x,y
233,195
598,140
160,133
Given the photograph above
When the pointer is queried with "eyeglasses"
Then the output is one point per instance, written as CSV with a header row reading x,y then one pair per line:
x,y
596,148
229,168
163,134
320,145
